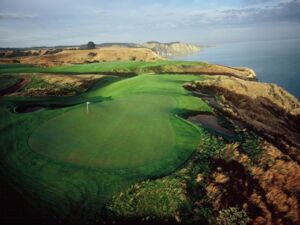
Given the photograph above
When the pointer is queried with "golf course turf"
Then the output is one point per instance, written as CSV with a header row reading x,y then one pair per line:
x,y
68,162
137,127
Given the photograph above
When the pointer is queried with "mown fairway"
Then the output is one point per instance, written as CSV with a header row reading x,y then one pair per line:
x,y
68,163
136,67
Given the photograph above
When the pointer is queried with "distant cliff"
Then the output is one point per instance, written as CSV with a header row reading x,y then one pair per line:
x,y
58,57
159,49
172,48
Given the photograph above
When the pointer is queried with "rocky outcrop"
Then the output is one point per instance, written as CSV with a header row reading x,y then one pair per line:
x,y
172,48
266,108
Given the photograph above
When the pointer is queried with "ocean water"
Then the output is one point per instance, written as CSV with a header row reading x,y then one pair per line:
x,y
273,61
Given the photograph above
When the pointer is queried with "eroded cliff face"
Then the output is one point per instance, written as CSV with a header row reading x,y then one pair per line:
x,y
268,187
266,108
171,49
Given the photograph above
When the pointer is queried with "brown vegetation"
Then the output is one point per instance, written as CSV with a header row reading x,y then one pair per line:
x,y
266,108
268,187
56,84
212,69
71,56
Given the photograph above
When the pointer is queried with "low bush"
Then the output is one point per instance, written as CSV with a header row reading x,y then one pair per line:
x,y
232,216
92,54
250,145
160,198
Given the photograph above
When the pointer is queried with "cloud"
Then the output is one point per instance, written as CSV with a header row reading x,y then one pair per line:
x,y
17,16
280,13
284,12
258,2
67,21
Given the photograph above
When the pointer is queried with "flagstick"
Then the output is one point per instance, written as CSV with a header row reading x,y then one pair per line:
x,y
87,107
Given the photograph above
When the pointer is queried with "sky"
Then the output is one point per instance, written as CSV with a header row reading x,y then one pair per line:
x,y
26,23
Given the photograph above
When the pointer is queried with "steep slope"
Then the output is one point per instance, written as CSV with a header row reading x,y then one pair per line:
x,y
172,48
268,184
266,108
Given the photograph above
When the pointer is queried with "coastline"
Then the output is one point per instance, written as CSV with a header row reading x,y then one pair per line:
x,y
274,61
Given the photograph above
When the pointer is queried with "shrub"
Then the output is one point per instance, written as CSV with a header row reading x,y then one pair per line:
x,y
160,198
92,54
250,145
209,147
133,58
232,216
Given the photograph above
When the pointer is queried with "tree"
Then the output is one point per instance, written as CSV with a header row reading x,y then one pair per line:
x,y
90,45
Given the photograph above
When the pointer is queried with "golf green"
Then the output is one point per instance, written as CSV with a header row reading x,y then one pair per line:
x,y
138,127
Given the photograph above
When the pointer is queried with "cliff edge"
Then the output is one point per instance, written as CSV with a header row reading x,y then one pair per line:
x,y
172,48
268,186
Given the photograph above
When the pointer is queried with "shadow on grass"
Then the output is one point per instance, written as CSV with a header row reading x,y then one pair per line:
x,y
32,105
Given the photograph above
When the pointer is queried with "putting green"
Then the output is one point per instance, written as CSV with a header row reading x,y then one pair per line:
x,y
137,127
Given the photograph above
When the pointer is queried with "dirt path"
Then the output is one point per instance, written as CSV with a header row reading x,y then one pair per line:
x,y
16,87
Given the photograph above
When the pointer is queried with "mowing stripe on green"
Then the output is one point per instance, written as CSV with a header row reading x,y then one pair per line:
x,y
134,129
